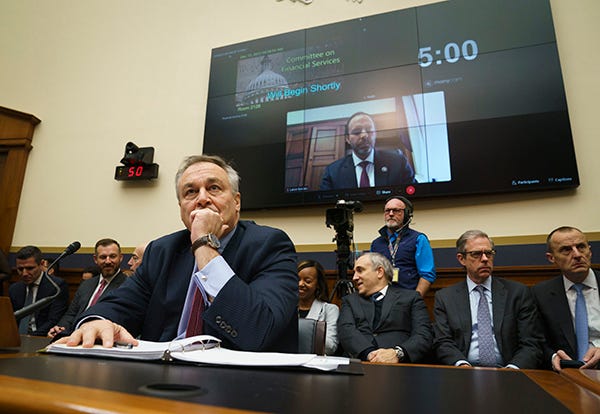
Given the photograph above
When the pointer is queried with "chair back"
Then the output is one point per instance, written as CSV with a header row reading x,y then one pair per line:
x,y
311,336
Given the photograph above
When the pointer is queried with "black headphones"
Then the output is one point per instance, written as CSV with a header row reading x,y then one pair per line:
x,y
408,212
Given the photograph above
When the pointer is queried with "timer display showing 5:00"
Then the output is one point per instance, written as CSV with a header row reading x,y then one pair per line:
x,y
452,53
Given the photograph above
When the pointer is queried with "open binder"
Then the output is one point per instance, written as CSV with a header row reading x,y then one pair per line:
x,y
203,349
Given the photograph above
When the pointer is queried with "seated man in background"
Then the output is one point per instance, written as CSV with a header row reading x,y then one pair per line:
x,y
136,257
569,304
485,321
108,258
381,322
34,286
221,276
89,272
46,262
366,166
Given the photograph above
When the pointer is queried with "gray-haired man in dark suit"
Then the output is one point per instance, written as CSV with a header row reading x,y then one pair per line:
x,y
381,322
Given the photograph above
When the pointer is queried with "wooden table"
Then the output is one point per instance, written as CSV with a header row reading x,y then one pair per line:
x,y
32,382
587,378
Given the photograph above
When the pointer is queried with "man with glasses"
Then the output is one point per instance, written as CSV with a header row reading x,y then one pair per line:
x,y
366,166
485,320
33,286
407,249
569,304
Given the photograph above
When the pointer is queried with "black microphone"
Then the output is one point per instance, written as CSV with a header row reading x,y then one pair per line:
x,y
71,248
42,303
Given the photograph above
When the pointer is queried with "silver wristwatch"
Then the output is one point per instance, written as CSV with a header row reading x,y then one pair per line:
x,y
399,353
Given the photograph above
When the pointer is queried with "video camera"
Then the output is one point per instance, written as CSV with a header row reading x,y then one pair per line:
x,y
341,218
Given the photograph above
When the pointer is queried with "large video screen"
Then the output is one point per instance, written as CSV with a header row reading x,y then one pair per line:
x,y
456,97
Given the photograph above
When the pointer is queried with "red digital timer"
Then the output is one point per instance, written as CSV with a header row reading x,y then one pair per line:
x,y
136,172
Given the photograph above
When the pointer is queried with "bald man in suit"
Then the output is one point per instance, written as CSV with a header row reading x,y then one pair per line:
x,y
569,249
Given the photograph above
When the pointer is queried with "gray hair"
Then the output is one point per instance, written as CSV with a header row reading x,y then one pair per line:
x,y
232,174
470,235
378,260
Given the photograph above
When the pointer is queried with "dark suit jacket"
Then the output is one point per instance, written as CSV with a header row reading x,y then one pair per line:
x,y
391,168
555,318
47,317
82,297
255,310
515,324
404,322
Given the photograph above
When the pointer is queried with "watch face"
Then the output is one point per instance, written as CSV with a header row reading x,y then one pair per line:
x,y
213,241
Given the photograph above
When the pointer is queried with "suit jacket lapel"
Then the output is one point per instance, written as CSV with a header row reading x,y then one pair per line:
x,y
368,308
499,296
562,314
114,283
463,304
386,307
381,170
348,173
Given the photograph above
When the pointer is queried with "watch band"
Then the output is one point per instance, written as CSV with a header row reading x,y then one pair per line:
x,y
208,239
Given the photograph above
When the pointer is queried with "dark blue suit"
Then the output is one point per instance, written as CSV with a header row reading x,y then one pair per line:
x,y
555,317
47,317
391,168
515,324
255,310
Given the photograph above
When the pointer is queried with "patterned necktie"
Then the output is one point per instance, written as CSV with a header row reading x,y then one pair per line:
x,y
24,322
581,322
195,323
487,356
364,177
98,293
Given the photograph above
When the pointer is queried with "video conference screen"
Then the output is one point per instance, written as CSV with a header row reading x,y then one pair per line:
x,y
456,97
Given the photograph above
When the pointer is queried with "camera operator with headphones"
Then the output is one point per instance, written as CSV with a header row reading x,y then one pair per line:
x,y
408,250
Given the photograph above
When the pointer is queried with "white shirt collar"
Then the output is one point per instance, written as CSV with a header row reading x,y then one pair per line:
x,y
589,281
357,160
487,283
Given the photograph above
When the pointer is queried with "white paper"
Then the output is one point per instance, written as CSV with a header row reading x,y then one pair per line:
x,y
204,349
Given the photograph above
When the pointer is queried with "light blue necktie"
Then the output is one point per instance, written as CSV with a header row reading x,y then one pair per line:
x,y
581,322
487,355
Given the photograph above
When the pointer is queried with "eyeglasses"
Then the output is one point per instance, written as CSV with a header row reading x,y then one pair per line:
x,y
477,254
393,210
